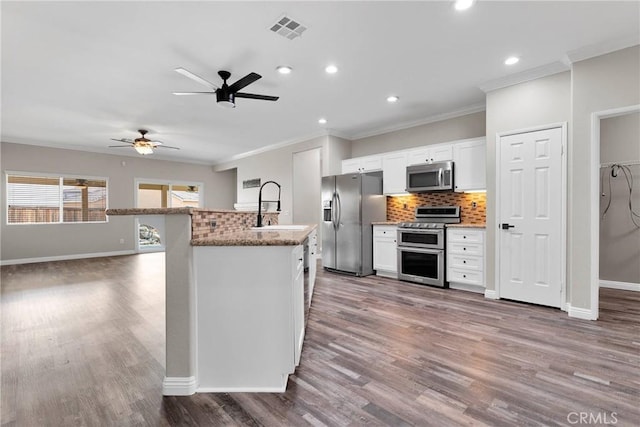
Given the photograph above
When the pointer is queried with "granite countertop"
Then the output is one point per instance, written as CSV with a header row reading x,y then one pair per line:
x,y
467,225
258,238
386,223
169,211
150,211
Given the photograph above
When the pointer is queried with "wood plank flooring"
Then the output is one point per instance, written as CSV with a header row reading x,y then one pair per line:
x,y
83,344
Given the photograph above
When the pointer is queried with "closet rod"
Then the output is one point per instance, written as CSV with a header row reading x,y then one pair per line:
x,y
630,163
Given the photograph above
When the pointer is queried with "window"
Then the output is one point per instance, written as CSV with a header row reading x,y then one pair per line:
x,y
49,200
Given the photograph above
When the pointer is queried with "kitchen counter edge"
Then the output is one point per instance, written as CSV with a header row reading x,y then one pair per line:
x,y
258,238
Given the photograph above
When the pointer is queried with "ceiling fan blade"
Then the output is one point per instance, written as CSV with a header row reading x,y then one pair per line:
x,y
245,81
194,93
254,96
120,146
196,78
166,146
128,141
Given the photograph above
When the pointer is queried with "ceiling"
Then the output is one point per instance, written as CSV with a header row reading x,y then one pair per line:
x,y
75,74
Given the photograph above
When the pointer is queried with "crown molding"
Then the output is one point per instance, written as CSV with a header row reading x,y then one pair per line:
x,y
525,76
602,48
476,108
272,147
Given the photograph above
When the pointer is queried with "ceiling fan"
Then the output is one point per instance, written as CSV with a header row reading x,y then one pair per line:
x,y
226,94
142,145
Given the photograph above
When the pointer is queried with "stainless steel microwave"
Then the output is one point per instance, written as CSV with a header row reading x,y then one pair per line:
x,y
430,177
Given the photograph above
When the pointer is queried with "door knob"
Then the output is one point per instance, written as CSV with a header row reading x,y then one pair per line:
x,y
506,226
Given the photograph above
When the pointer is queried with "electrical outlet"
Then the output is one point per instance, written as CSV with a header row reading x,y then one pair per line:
x,y
405,206
474,205
213,224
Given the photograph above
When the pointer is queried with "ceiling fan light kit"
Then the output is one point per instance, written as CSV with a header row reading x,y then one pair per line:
x,y
142,145
226,94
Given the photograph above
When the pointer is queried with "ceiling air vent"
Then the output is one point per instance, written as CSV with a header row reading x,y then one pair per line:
x,y
288,28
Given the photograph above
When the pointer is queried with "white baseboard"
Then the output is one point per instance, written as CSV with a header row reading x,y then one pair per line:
x,y
178,386
467,287
625,286
491,294
581,313
65,257
242,389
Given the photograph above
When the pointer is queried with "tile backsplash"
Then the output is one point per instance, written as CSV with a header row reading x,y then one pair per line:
x,y
402,208
226,222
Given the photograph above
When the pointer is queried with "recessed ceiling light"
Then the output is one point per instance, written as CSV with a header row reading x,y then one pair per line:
x,y
284,69
331,69
392,99
463,4
322,121
511,60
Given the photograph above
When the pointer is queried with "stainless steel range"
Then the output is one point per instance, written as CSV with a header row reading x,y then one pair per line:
x,y
421,245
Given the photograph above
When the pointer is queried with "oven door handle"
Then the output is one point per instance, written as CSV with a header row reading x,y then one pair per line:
x,y
420,250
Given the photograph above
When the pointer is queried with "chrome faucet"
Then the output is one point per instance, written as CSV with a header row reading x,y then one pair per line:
x,y
259,223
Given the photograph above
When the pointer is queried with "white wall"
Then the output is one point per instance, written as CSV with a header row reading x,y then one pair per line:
x,y
58,240
598,84
539,102
463,127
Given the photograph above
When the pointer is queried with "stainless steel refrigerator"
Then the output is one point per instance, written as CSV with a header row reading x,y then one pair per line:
x,y
350,203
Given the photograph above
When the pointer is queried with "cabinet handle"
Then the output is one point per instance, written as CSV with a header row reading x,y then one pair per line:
x,y
464,275
464,237
464,262
299,259
464,249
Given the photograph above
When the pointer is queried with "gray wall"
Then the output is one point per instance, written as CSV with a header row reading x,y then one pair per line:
x,y
534,103
463,127
619,237
277,165
598,84
56,240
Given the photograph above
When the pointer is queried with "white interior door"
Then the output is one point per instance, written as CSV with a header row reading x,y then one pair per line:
x,y
530,215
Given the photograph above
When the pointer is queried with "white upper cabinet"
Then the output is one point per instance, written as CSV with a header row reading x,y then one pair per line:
x,y
470,165
362,164
394,173
431,154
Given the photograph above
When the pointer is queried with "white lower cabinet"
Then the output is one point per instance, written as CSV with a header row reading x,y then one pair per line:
x,y
465,258
385,255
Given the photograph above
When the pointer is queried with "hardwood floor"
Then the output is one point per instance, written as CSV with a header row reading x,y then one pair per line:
x,y
83,344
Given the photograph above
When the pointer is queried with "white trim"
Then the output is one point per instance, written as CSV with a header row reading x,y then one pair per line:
x,y
564,202
491,294
242,389
178,386
524,76
387,274
581,313
602,48
625,286
475,108
65,257
277,145
478,289
594,196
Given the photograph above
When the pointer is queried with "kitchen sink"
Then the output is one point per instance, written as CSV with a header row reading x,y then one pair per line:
x,y
287,227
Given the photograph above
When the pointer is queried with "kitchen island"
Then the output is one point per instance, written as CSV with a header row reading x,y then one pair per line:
x,y
236,300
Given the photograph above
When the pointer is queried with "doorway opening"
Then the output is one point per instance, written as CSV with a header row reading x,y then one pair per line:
x,y
601,165
149,229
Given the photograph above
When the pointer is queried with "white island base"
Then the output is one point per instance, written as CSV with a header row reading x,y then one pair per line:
x,y
250,305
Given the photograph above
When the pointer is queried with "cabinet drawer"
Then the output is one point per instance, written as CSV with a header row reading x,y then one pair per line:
x,y
462,276
384,231
471,236
471,263
465,249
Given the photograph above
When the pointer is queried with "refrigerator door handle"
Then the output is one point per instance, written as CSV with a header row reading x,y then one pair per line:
x,y
334,211
339,205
